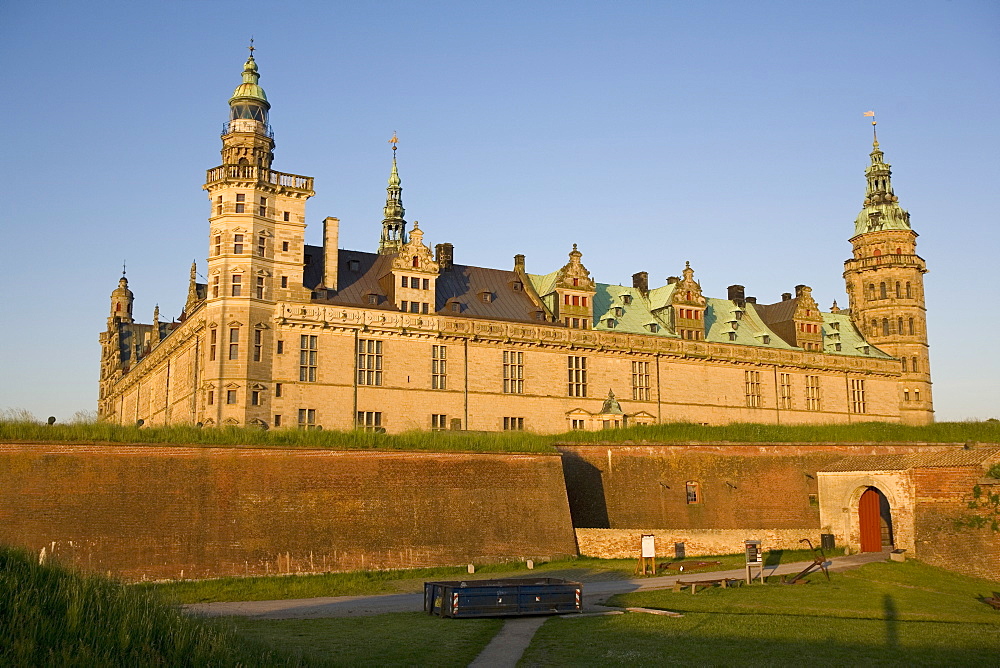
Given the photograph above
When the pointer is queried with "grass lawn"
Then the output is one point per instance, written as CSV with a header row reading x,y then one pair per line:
x,y
400,639
880,614
360,583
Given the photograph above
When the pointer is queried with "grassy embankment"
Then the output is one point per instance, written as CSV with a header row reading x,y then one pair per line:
x,y
356,583
462,441
882,614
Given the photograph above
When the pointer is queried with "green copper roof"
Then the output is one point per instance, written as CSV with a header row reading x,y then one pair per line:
x,y
726,322
881,206
838,328
621,309
250,89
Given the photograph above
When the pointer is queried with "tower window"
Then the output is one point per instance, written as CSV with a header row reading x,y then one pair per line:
x,y
261,245
218,244
260,287
908,294
885,327
277,389
230,396
284,281
285,216
911,326
262,209
237,285
882,292
899,290
240,197
212,340
899,325
258,344
914,367
871,292
284,246
238,244
215,286
905,365
255,398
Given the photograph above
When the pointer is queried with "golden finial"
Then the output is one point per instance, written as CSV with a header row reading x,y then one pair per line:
x,y
394,141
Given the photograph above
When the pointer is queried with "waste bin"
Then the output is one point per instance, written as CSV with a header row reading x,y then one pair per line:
x,y
826,541
503,598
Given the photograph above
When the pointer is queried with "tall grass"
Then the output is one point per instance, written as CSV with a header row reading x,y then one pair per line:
x,y
50,616
469,441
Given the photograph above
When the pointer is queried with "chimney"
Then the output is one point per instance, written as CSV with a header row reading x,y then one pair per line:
x,y
640,281
519,263
444,255
751,300
736,293
785,296
799,289
673,279
331,228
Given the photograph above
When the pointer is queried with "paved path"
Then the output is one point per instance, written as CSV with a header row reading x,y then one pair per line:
x,y
594,593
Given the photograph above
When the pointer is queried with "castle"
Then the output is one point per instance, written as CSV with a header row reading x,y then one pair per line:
x,y
287,335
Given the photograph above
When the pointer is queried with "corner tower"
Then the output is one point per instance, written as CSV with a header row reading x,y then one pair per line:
x,y
886,288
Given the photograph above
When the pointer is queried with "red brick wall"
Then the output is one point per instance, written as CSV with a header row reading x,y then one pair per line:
x,y
942,497
158,512
743,485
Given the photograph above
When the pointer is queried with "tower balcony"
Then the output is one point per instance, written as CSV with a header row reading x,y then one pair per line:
x,y
251,175
890,260
247,125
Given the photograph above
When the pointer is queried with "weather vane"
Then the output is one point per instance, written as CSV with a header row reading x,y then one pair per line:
x,y
394,141
251,47
871,114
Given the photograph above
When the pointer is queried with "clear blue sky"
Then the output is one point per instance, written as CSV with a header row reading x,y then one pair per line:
x,y
727,134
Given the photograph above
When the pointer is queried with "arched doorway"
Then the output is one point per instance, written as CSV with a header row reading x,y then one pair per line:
x,y
875,520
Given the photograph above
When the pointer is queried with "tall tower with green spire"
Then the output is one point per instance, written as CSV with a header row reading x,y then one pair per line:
x,y
886,288
393,225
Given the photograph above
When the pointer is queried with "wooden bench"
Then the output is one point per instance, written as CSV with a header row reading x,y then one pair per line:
x,y
695,584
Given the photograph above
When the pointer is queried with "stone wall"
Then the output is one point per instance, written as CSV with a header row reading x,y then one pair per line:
x,y
626,543
169,512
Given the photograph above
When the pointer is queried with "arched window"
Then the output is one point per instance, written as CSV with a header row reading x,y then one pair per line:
x,y
692,491
874,326
908,294
871,292
906,395
899,325
885,326
914,365
416,262
882,291
904,365
877,252
911,326
118,307
899,251
899,290
916,395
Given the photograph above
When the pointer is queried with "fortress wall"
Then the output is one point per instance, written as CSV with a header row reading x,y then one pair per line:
x,y
167,512
627,543
742,486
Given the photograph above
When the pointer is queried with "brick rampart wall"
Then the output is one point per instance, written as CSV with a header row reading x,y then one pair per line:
x,y
626,543
942,497
621,486
160,512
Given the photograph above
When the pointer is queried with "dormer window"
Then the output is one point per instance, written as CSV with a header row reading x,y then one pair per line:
x,y
766,339
732,336
455,307
653,327
835,325
619,311
867,350
610,322
738,315
626,299
517,286
372,298
353,265
486,296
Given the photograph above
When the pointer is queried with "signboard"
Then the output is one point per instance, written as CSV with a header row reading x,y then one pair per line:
x,y
755,560
648,546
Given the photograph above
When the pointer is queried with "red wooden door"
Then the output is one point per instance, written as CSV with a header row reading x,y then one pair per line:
x,y
871,526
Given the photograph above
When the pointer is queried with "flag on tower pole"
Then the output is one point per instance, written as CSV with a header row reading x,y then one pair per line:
x,y
869,113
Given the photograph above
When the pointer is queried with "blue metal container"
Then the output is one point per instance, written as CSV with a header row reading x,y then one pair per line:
x,y
503,598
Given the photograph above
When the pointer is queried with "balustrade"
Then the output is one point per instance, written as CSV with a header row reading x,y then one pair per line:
x,y
225,173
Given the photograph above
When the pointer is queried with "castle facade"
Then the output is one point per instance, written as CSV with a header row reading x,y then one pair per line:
x,y
288,335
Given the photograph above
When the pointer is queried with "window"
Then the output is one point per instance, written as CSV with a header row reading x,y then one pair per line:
x,y
404,306
487,297
456,307
260,287
885,326
307,418
904,365
812,393
369,362
439,367
262,209
899,290
255,398
284,244
284,216
899,325
240,208
576,300
277,389
230,396
858,396
908,293
218,205
258,344
577,376
626,299
280,347
424,308
766,339
871,292
353,265
577,425
416,262
234,343
785,390
218,244
373,299
237,285
640,381
307,358
427,284
906,395
752,380
513,424
211,397
513,372
439,422
215,286
238,244
414,307
913,367
911,326
213,336
692,492
404,281
369,421
261,245
277,420
241,197
916,395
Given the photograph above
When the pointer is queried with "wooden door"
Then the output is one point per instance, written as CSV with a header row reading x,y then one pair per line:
x,y
869,515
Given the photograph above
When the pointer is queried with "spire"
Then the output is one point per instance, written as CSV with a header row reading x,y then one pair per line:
x,y
249,102
192,297
393,225
881,206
